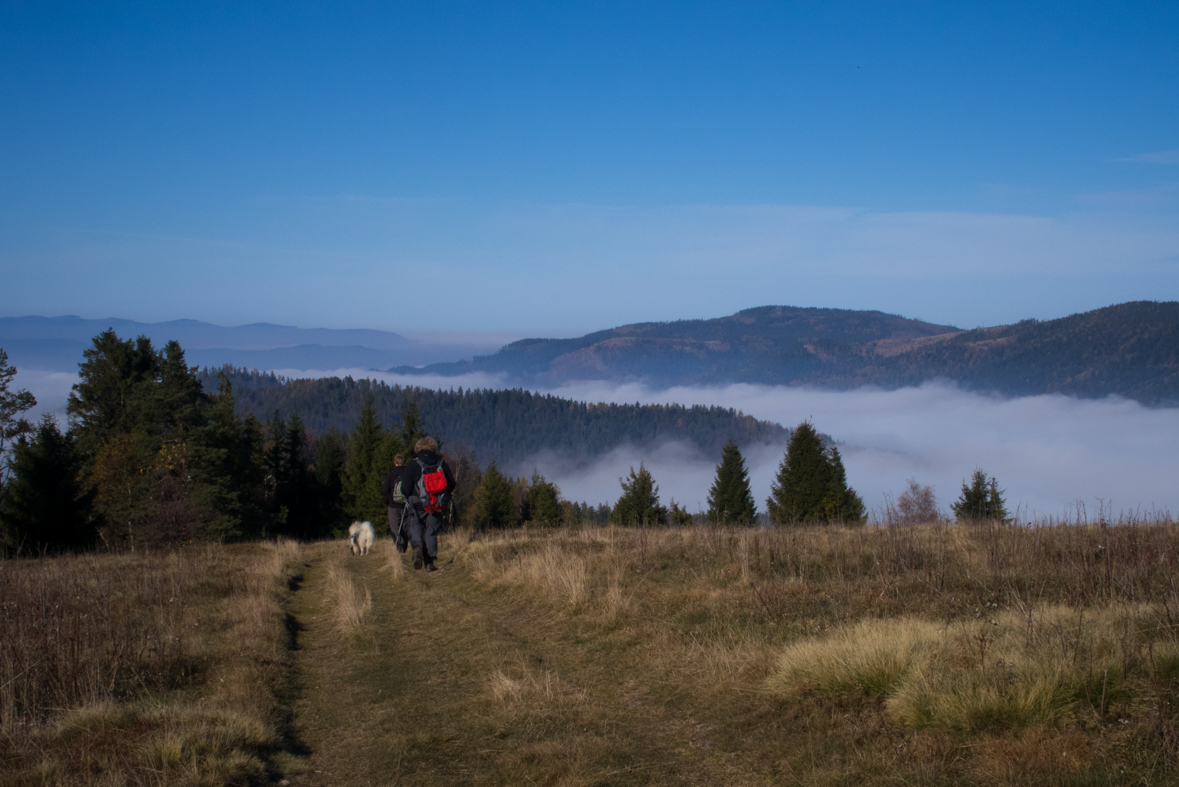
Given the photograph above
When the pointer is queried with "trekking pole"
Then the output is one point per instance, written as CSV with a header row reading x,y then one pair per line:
x,y
400,527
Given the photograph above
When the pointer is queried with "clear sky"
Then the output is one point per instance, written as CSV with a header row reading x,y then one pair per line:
x,y
554,168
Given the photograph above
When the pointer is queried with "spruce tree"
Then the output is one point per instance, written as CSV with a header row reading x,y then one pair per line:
x,y
362,494
493,500
842,504
12,425
803,480
47,507
729,499
639,503
544,506
677,514
811,485
982,499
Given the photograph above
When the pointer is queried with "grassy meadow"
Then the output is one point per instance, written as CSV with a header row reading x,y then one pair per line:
x,y
924,655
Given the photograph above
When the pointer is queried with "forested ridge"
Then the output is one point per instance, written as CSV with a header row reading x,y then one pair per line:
x,y
1130,349
506,426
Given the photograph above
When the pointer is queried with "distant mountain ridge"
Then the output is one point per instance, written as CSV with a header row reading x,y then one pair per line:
x,y
1130,349
57,343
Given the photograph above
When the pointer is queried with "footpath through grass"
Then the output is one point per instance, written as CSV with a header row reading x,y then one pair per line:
x,y
448,681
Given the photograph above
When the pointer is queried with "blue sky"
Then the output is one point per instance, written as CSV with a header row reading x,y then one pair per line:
x,y
550,169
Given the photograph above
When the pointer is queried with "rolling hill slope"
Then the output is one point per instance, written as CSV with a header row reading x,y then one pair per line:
x,y
1131,349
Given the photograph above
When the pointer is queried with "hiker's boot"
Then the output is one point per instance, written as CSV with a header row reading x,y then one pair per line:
x,y
402,547
431,567
417,558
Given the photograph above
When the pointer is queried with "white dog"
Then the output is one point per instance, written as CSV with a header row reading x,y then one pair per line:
x,y
360,537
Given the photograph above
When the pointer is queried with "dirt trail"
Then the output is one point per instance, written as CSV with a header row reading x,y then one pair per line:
x,y
449,683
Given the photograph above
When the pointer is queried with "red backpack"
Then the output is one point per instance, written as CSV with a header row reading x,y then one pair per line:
x,y
431,488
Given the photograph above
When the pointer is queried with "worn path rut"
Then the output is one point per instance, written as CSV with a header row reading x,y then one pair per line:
x,y
448,682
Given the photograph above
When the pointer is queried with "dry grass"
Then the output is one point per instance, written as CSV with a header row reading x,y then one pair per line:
x,y
351,603
1003,671
144,669
917,654
921,655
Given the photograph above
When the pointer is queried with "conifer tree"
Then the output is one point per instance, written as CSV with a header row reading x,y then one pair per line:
x,y
47,507
639,503
493,500
362,493
811,485
331,454
841,504
411,428
544,506
729,499
12,425
677,514
982,499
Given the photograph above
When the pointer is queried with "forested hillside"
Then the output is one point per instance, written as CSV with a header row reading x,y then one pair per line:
x,y
1131,350
769,344
503,426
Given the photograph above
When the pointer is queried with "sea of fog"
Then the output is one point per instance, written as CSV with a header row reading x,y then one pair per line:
x,y
1050,453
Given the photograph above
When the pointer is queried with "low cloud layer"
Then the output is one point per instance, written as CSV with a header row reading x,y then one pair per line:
x,y
1047,452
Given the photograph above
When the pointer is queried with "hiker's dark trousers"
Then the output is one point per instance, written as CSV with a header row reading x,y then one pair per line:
x,y
423,531
395,523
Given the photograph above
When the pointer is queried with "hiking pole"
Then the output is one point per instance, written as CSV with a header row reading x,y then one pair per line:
x,y
400,526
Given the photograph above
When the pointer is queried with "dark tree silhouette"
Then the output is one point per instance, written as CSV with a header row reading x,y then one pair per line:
x,y
729,498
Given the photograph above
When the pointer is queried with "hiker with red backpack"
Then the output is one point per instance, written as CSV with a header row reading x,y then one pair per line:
x,y
427,484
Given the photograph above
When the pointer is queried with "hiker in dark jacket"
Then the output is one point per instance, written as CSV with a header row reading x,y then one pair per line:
x,y
396,507
424,524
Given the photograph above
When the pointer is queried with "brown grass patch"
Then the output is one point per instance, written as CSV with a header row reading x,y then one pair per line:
x,y
144,668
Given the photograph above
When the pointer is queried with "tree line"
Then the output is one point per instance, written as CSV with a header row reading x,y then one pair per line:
x,y
152,458
507,426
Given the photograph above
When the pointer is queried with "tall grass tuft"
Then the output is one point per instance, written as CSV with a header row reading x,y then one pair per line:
x,y
351,603
1008,670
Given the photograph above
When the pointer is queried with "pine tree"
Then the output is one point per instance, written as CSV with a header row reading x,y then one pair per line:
x,y
841,504
639,503
811,485
411,428
230,465
677,514
493,500
331,454
544,506
12,426
729,499
362,493
803,480
982,499
47,508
